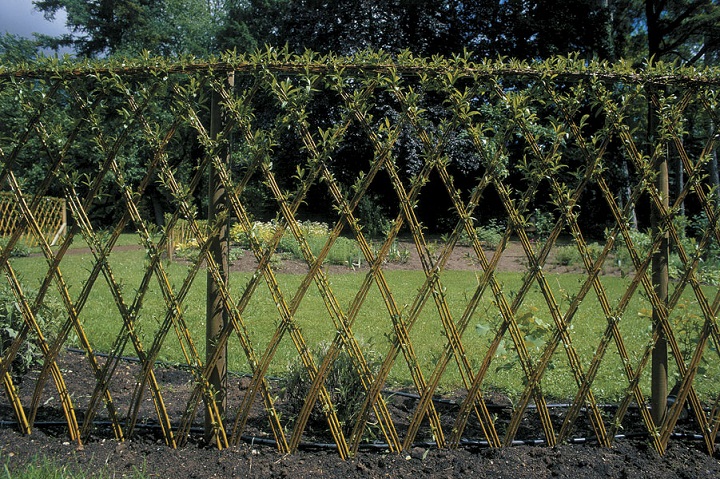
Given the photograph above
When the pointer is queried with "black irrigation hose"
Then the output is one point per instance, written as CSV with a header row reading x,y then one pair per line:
x,y
374,446
491,406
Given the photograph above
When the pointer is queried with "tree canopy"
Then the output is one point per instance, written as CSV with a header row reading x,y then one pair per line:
x,y
128,27
675,30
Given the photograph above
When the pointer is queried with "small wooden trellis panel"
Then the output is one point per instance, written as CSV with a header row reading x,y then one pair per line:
x,y
524,126
50,213
179,235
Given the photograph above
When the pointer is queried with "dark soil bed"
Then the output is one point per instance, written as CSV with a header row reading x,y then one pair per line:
x,y
631,459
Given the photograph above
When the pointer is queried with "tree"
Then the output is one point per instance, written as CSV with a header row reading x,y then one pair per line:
x,y
127,27
14,49
344,28
250,24
515,28
683,29
545,28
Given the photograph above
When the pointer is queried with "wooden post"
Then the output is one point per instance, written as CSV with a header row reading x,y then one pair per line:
x,y
659,386
216,314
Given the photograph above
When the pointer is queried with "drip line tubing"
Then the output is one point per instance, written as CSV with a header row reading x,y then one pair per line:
x,y
373,446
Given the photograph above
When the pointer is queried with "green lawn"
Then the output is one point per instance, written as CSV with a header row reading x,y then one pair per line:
x,y
50,468
373,327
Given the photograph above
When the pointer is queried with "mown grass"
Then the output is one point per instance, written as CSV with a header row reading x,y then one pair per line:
x,y
47,468
373,327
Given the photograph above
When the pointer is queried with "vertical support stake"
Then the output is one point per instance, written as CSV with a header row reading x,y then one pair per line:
x,y
660,281
216,313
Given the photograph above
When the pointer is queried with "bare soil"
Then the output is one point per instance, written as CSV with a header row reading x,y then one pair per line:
x,y
145,451
512,258
627,459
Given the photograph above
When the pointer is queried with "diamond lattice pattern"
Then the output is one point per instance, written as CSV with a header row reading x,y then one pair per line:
x,y
565,163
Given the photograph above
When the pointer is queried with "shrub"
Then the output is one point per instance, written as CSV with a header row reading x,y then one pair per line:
x,y
188,251
567,255
11,322
343,383
263,232
489,234
543,223
595,250
372,215
641,242
708,270
20,250
343,252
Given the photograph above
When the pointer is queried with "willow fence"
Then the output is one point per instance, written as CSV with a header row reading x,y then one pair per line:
x,y
586,142
51,216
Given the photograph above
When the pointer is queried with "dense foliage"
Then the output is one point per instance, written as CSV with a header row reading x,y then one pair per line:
x,y
680,29
684,31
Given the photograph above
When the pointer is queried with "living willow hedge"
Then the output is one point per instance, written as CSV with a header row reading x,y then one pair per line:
x,y
577,143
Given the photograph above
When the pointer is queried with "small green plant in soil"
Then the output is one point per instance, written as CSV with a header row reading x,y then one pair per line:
x,y
11,324
20,250
567,255
343,383
344,251
397,253
490,234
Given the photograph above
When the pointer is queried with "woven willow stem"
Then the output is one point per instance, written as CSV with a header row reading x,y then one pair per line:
x,y
434,149
401,326
593,269
342,321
